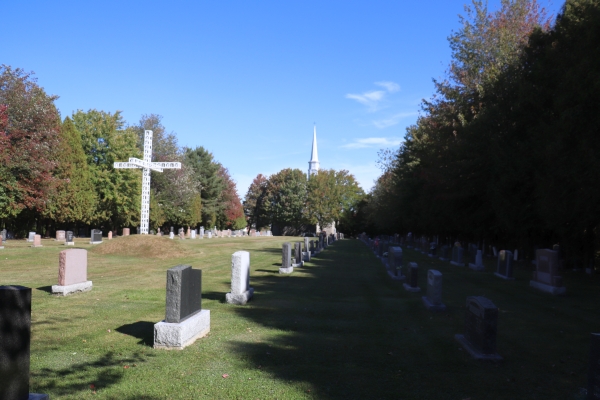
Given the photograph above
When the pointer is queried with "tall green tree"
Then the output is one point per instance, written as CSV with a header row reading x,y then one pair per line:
x,y
74,199
106,140
256,203
287,194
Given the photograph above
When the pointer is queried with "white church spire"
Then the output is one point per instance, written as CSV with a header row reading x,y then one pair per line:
x,y
313,164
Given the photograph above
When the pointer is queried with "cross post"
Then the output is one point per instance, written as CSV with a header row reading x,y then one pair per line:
x,y
147,165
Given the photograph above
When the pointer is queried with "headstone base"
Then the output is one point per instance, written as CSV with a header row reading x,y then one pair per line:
x,y
1,247
409,288
70,289
396,277
431,255
504,277
177,336
38,396
96,242
240,299
548,288
433,307
476,267
287,270
69,243
474,352
457,264
39,245
298,265
444,259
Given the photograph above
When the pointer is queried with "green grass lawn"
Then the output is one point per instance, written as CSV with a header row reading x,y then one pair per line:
x,y
338,328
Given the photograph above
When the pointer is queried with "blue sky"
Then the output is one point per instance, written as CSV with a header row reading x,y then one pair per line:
x,y
245,79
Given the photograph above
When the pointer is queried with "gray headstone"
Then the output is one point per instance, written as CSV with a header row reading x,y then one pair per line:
x,y
69,236
286,255
444,252
15,334
594,371
3,234
184,293
457,256
96,236
505,264
306,244
481,322
31,236
395,260
433,300
546,276
298,252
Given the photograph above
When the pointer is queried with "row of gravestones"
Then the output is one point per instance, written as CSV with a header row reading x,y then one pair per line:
x,y
481,318
546,277
185,320
311,249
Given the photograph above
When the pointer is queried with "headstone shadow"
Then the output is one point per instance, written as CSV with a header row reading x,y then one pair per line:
x,y
47,289
216,296
143,330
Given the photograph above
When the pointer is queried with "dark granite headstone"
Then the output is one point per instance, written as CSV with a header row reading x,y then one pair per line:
x,y
481,322
96,235
413,275
69,236
15,334
444,251
457,256
594,371
286,255
184,292
505,264
298,252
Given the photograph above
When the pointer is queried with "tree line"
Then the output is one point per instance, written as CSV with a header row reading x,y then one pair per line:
x,y
58,173
507,151
290,202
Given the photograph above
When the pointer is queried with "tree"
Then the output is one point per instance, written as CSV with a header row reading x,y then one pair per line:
x,y
232,214
205,172
332,194
29,130
105,141
256,205
74,199
286,198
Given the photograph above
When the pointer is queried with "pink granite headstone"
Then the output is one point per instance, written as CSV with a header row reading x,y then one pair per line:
x,y
125,231
72,266
1,245
109,235
37,241
188,233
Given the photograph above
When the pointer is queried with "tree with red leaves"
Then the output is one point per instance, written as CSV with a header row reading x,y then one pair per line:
x,y
233,213
29,135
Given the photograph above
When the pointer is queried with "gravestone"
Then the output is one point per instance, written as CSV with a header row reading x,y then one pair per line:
x,y
201,232
126,231
241,292
31,236
37,241
412,284
193,234
60,236
172,229
395,263
546,277
1,243
185,320
481,322
15,336
432,249
109,235
594,368
505,265
189,232
433,300
4,234
171,235
96,236
297,255
444,253
70,238
457,256
286,259
72,273
306,240
477,264
209,234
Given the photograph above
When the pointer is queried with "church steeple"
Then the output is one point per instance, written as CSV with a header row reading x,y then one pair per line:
x,y
313,164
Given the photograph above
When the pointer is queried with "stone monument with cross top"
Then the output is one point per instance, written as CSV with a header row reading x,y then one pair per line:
x,y
146,164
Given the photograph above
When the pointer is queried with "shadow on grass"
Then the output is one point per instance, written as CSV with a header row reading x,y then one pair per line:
x,y
143,330
216,296
47,289
106,371
337,323
269,271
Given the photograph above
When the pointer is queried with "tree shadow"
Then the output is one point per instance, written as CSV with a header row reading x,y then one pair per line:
x,y
269,271
216,296
77,378
143,330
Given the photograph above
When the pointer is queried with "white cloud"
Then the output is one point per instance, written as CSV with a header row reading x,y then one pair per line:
x,y
389,86
369,99
373,142
393,120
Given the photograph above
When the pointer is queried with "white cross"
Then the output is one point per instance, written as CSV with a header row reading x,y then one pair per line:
x,y
146,164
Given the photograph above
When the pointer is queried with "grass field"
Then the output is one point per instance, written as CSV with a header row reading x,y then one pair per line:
x,y
338,328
